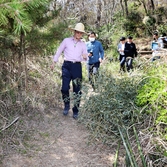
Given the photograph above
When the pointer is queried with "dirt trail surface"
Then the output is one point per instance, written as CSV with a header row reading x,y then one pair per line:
x,y
54,140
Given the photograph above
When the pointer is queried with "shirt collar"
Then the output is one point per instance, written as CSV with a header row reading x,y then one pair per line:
x,y
93,41
74,39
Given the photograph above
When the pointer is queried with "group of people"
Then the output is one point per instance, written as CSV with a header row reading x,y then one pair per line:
x,y
75,51
127,52
157,45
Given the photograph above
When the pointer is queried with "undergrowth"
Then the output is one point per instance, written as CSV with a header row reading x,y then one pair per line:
x,y
126,110
18,109
130,108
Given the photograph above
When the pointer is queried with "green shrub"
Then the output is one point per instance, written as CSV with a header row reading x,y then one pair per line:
x,y
114,102
152,92
132,22
152,89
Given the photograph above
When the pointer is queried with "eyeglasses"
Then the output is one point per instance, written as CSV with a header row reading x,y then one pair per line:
x,y
78,32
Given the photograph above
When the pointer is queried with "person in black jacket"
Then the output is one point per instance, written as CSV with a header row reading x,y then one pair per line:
x,y
130,52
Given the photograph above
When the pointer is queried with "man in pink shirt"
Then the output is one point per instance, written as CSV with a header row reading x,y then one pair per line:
x,y
75,52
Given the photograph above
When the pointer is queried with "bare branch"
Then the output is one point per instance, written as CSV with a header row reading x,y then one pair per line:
x,y
10,124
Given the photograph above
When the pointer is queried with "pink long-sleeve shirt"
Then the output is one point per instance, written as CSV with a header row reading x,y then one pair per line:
x,y
73,50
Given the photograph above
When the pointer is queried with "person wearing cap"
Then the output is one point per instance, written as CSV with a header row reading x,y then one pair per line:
x,y
120,49
130,52
95,54
75,52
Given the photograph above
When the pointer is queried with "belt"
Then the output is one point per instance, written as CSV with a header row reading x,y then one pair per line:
x,y
94,63
71,61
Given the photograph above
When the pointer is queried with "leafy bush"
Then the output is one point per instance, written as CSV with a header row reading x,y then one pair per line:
x,y
113,102
131,109
132,22
152,92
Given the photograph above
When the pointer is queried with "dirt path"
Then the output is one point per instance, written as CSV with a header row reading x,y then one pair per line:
x,y
54,140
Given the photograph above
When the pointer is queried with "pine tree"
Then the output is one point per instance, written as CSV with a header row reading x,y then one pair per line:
x,y
21,22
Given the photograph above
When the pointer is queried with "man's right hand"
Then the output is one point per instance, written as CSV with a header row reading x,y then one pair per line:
x,y
52,66
90,54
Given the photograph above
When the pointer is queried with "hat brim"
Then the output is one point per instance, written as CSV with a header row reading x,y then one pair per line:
x,y
73,29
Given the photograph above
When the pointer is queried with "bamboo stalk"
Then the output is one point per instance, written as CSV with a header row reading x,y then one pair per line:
x,y
116,155
139,148
130,148
126,148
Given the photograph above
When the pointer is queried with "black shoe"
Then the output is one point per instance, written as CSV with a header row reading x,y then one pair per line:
x,y
75,116
65,111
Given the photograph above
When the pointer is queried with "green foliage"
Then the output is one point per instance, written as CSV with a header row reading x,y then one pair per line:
x,y
152,89
110,112
114,53
152,92
132,22
31,19
160,10
162,28
150,21
162,115
112,103
39,13
21,17
13,13
35,74
44,42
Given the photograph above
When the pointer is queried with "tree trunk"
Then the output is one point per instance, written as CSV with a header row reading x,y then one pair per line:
x,y
126,8
122,7
20,65
25,64
144,5
152,5
99,8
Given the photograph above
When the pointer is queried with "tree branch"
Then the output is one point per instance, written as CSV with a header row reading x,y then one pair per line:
x,y
10,124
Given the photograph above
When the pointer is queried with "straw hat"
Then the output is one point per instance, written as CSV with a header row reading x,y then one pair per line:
x,y
79,27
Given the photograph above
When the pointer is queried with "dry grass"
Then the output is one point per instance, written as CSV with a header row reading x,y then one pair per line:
x,y
33,131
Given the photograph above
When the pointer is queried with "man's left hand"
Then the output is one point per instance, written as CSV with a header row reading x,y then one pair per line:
x,y
85,56
100,60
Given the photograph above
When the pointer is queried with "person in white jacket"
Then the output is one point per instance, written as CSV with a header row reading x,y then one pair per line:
x,y
122,58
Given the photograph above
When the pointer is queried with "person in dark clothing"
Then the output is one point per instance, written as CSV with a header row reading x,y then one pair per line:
x,y
164,40
75,52
130,52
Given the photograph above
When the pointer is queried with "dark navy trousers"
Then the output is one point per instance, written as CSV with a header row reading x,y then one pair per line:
x,y
71,71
